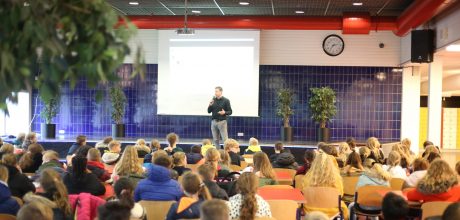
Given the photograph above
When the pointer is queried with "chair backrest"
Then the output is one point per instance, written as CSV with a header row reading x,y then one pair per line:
x,y
432,209
7,217
283,209
243,164
299,181
193,167
321,197
349,184
156,209
371,195
265,218
18,200
290,171
248,158
276,187
235,168
396,183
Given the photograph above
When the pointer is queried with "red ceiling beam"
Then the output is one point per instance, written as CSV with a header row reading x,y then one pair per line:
x,y
416,14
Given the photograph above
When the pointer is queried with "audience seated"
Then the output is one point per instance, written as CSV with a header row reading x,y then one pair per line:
x,y
263,169
19,139
172,148
158,186
6,148
285,160
253,146
154,146
124,192
18,183
308,158
393,166
142,148
113,155
344,151
32,159
79,180
404,152
80,141
439,184
195,157
208,174
432,156
31,138
375,150
56,192
394,207
96,166
116,210
279,148
247,204
214,209
420,167
373,175
430,149
104,144
8,205
179,162
452,211
351,143
51,160
353,164
129,166
224,162
35,210
233,149
213,157
188,207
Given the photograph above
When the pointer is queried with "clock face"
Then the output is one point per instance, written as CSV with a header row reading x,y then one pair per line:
x,y
333,45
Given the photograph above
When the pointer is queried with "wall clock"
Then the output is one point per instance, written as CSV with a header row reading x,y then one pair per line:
x,y
333,45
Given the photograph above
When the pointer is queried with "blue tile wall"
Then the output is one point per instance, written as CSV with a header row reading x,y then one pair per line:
x,y
368,101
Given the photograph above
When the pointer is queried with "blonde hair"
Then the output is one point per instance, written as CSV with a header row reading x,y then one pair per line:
x,y
375,170
262,164
323,172
140,142
344,149
179,159
129,163
114,144
430,149
230,143
9,159
35,210
224,157
155,144
406,142
212,157
7,148
364,152
52,183
94,155
394,159
206,142
439,178
50,155
253,141
158,153
374,146
3,173
400,148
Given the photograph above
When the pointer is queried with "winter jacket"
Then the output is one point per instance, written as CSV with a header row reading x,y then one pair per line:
x,y
111,158
252,149
186,208
85,205
452,195
19,183
181,170
235,158
285,160
215,190
73,149
194,158
368,180
98,169
50,164
89,183
37,162
8,205
158,186
205,148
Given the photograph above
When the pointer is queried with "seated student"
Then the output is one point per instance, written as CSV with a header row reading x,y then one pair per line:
x,y
112,157
439,184
180,161
6,148
394,207
329,150
264,170
155,146
344,151
373,175
206,144
224,161
188,207
247,204
432,157
51,160
427,143
419,166
142,148
308,158
430,149
158,186
285,160
208,174
19,139
116,210
253,146
375,152
124,191
279,148
393,166
351,143
129,166
79,180
35,210
96,166
8,205
214,209
172,148
55,190
353,164
195,157
213,157
104,144
233,148
406,157
32,159
452,211
18,183
80,141
31,138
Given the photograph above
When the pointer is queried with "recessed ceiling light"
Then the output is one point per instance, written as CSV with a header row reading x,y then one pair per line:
x,y
453,48
244,3
134,3
299,12
196,11
357,3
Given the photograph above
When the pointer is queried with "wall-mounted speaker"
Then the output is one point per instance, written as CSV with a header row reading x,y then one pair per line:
x,y
422,46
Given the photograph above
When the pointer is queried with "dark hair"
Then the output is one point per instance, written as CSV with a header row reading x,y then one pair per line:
x,y
351,142
81,139
163,161
452,211
427,143
124,190
354,160
420,164
83,150
207,171
279,146
114,210
172,138
309,156
219,88
214,209
107,140
433,156
78,167
196,149
394,207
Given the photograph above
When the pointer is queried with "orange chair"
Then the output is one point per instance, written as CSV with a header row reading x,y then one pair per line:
x,y
299,181
283,209
156,209
397,183
276,187
323,198
349,187
433,209
290,171
235,168
369,196
7,217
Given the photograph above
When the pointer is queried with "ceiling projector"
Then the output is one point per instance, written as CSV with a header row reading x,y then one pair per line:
x,y
185,31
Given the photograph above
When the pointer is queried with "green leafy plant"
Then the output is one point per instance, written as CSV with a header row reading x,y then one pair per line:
x,y
50,108
284,110
48,42
118,99
322,105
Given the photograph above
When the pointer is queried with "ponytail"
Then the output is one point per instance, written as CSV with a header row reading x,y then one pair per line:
x,y
249,207
247,185
53,185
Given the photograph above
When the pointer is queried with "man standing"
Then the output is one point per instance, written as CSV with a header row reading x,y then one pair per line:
x,y
220,109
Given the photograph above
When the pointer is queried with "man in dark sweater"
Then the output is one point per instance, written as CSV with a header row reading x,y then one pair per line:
x,y
220,109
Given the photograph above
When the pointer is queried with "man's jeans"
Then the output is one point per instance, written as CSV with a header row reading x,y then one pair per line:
x,y
219,131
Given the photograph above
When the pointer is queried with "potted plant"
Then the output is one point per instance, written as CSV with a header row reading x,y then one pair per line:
x,y
49,111
118,99
322,108
285,111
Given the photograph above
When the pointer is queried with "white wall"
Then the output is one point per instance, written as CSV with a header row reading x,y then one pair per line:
x,y
410,106
292,47
448,29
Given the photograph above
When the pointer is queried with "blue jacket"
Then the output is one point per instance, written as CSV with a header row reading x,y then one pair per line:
x,y
158,186
193,158
189,209
7,204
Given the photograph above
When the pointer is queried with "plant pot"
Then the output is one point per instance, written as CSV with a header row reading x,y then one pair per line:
x,y
324,134
48,131
286,134
118,130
